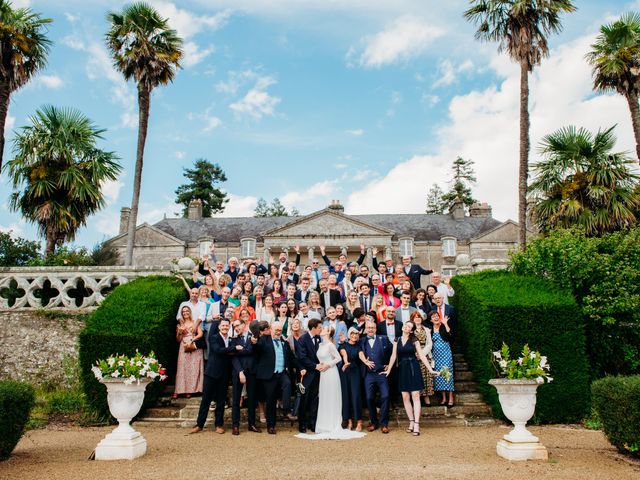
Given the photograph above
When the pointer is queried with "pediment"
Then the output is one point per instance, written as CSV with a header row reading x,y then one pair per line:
x,y
327,223
148,236
505,232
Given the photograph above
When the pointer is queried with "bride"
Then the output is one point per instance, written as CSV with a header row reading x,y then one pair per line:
x,y
329,420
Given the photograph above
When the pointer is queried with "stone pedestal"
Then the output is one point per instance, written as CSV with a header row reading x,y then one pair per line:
x,y
121,446
521,451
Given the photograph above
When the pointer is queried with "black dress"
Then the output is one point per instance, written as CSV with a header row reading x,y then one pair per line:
x,y
409,373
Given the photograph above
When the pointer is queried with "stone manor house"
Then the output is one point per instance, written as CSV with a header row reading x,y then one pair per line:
x,y
451,243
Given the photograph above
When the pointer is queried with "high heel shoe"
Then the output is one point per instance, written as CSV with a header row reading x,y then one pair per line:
x,y
410,427
359,426
349,424
416,431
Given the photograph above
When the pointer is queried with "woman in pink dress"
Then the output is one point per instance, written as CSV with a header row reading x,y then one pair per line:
x,y
190,370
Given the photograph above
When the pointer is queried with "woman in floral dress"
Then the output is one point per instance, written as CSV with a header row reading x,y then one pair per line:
x,y
190,370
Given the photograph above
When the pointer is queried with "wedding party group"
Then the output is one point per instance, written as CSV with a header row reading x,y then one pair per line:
x,y
322,343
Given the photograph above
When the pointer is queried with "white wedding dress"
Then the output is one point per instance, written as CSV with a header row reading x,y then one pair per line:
x,y
329,421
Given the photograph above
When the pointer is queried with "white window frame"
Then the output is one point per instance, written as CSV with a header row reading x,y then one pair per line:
x,y
248,247
449,247
405,246
204,247
449,271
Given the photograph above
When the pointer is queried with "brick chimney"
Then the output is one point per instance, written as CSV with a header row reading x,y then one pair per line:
x,y
457,210
480,210
195,209
336,205
125,213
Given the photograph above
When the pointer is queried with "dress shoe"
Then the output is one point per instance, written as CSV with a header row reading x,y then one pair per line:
x,y
271,431
219,430
384,429
291,418
253,428
359,426
302,430
371,427
196,429
235,431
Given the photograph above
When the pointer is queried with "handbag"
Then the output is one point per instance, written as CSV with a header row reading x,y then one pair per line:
x,y
190,347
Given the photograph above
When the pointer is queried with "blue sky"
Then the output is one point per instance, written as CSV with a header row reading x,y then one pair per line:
x,y
366,102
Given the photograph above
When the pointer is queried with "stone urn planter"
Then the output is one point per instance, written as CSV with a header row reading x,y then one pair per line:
x,y
518,402
125,400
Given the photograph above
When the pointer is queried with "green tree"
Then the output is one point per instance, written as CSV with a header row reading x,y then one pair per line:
x,y
435,204
16,252
275,209
521,28
57,172
262,209
582,182
146,50
23,52
202,180
462,176
615,58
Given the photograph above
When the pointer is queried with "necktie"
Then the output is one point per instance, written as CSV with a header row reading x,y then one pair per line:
x,y
317,277
371,338
440,312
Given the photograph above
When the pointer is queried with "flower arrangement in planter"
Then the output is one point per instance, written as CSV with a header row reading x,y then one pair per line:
x,y
129,369
531,365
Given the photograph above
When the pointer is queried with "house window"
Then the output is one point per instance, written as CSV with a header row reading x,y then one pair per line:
x,y
406,247
204,248
448,272
248,247
449,246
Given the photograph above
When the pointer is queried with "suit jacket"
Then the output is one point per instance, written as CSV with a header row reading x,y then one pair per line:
x,y
399,312
219,362
371,295
415,272
340,327
243,360
334,299
266,357
382,328
381,353
307,354
450,312
300,298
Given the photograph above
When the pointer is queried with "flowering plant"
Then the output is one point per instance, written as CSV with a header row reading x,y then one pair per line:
x,y
130,369
445,374
531,365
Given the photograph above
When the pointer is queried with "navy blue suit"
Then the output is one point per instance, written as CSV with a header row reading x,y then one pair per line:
x,y
216,378
243,361
308,360
414,274
373,378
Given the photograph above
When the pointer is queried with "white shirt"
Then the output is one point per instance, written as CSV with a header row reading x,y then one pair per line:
x,y
446,292
226,340
371,341
304,318
391,331
405,314
197,311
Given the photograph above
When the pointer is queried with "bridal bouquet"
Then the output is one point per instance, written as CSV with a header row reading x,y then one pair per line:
x,y
445,374
130,369
531,365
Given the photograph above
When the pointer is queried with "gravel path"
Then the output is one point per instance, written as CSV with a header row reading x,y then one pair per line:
x,y
443,453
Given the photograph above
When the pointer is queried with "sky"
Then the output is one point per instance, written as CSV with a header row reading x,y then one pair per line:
x,y
363,101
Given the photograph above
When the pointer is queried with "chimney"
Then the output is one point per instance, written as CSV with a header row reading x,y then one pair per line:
x,y
125,213
457,210
336,205
480,210
195,209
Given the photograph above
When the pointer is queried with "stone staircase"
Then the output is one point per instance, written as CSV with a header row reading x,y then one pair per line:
x,y
469,408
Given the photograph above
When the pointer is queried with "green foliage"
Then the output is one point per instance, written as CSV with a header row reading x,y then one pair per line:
x,y
617,402
66,402
530,365
497,307
435,204
462,176
603,273
16,401
202,179
276,209
16,252
139,315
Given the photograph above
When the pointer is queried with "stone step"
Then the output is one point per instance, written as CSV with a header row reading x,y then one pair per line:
x,y
460,366
457,375
465,386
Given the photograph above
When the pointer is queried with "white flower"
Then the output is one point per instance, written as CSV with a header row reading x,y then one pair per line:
x,y
549,379
498,355
543,361
111,361
121,363
520,361
97,372
115,374
152,374
138,363
130,380
502,363
540,380
532,355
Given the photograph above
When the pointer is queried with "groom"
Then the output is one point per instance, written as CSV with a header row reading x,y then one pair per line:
x,y
308,360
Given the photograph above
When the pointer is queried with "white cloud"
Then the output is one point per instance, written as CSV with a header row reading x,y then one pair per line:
x,y
406,37
396,99
129,119
239,206
312,198
430,100
194,55
9,123
209,122
21,3
48,81
257,102
448,73
111,190
340,166
107,222
180,154
483,126
71,18
355,132
15,229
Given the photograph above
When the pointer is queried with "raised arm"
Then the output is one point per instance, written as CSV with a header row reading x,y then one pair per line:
x,y
362,254
324,256
374,252
297,249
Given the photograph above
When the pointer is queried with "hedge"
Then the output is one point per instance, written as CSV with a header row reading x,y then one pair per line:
x,y
495,307
137,315
16,401
617,401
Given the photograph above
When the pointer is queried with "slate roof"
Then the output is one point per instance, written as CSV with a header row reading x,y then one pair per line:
x,y
421,227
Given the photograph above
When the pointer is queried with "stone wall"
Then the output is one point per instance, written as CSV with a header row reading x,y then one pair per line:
x,y
39,347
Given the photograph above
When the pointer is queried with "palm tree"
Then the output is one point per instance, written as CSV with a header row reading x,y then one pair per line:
x,y
521,28
23,52
615,58
582,182
57,172
146,50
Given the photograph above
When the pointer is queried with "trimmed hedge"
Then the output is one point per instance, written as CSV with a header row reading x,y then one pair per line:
x,y
16,401
617,401
137,315
498,306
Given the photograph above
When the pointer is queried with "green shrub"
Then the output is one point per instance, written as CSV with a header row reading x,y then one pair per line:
x,y
16,401
139,315
495,307
66,401
617,402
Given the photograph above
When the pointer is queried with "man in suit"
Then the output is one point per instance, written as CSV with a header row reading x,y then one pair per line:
x,y
413,272
375,353
359,320
366,297
302,295
216,376
273,360
243,374
328,297
390,328
445,310
308,359
404,311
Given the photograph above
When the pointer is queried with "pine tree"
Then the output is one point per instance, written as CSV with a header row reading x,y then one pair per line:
x,y
435,204
262,209
463,177
203,178
277,209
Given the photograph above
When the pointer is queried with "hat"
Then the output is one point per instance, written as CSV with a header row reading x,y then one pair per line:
x,y
353,330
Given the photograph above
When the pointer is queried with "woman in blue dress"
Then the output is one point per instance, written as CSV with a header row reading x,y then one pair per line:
x,y
441,338
353,376
407,350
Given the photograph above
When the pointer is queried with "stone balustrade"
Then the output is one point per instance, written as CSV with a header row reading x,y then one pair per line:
x,y
74,288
